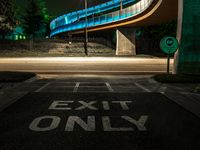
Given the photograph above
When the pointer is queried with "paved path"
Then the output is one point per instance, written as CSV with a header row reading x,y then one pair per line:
x,y
79,65
100,112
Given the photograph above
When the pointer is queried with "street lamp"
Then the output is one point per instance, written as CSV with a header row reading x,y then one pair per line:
x,y
86,32
121,7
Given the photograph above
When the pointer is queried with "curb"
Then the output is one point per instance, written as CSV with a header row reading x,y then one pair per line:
x,y
9,99
31,79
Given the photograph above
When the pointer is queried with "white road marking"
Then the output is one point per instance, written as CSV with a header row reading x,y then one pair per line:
x,y
43,87
87,126
162,89
76,87
88,105
152,81
124,104
109,87
60,105
108,127
34,126
142,87
138,123
106,105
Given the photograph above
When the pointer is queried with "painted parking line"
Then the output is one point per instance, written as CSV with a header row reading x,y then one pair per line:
x,y
162,89
43,87
76,87
142,87
109,87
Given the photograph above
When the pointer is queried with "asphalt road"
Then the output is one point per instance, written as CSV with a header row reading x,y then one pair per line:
x,y
96,112
84,65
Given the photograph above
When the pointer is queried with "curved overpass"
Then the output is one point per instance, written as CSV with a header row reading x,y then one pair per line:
x,y
109,15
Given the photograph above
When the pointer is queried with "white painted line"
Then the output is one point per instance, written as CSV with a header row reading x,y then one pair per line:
x,y
162,90
76,87
44,86
109,87
31,79
142,87
153,81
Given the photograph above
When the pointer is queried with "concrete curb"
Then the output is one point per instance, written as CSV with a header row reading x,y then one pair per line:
x,y
31,79
6,98
100,72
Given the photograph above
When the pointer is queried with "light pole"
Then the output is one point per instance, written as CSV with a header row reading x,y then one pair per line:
x,y
121,7
86,32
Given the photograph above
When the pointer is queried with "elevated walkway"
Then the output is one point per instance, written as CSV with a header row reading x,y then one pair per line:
x,y
140,13
134,14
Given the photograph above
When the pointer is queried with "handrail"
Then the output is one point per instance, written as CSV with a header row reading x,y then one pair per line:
x,y
126,13
74,16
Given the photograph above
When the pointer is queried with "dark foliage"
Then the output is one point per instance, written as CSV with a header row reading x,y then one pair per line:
x,y
33,20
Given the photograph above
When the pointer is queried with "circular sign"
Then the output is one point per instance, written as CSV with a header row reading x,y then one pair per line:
x,y
169,45
138,33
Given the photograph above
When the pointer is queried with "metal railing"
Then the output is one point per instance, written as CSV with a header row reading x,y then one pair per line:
x,y
76,15
128,12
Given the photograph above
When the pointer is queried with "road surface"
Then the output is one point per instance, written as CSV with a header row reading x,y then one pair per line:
x,y
99,113
79,65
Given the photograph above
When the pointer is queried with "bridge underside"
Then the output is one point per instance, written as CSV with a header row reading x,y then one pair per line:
x,y
187,59
159,12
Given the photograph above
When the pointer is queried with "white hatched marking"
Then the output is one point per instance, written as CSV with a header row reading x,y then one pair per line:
x,y
142,87
43,87
162,90
109,87
76,87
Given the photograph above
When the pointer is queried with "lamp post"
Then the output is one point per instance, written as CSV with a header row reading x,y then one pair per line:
x,y
86,32
121,7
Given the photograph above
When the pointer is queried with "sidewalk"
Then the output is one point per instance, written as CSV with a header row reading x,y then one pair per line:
x,y
86,65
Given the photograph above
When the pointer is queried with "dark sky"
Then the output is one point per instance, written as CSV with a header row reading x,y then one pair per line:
x,y
59,7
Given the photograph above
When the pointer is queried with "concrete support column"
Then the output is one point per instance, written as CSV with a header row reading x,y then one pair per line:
x,y
125,44
187,58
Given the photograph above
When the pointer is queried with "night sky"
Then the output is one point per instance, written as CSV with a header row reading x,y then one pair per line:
x,y
59,7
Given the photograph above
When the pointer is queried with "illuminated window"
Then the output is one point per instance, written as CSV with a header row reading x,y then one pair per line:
x,y
16,37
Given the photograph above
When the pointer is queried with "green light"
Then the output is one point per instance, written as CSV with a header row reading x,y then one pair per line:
x,y
20,37
24,37
16,37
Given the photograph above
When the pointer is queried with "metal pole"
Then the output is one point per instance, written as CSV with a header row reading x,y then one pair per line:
x,y
86,32
168,63
121,7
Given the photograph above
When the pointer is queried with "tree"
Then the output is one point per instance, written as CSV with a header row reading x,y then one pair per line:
x,y
33,20
7,16
46,17
159,31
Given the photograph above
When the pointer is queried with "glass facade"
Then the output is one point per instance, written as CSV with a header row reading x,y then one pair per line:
x,y
189,51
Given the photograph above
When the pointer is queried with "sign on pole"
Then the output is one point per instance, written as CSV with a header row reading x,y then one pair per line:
x,y
169,45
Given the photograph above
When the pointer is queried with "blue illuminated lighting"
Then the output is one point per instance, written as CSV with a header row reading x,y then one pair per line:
x,y
75,20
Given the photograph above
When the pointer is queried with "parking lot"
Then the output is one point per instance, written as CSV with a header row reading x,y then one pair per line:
x,y
90,112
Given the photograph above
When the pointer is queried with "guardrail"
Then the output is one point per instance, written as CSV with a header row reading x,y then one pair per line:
x,y
126,13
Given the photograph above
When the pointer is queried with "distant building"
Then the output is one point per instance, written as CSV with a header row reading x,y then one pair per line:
x,y
16,34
